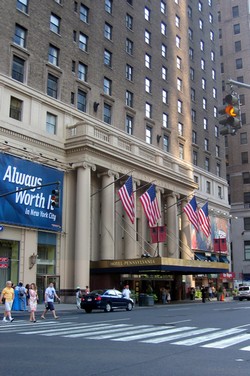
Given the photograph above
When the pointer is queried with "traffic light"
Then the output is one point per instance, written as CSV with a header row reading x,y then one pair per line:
x,y
55,198
230,115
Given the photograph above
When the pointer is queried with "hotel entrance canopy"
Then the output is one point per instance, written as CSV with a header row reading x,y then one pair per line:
x,y
158,265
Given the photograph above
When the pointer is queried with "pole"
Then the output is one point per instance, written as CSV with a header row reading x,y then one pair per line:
x,y
29,188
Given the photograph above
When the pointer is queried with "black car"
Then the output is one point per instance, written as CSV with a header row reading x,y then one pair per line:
x,y
108,300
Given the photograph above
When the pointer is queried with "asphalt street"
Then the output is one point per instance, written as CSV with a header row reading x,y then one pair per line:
x,y
189,339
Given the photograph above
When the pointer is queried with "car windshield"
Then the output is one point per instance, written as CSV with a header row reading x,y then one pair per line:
x,y
245,288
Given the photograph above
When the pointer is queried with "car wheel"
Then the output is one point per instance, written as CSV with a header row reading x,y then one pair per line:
x,y
108,307
240,299
129,306
88,310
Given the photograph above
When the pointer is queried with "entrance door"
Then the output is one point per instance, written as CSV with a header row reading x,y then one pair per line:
x,y
43,281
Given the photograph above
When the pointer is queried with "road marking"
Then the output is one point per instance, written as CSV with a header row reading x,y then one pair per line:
x,y
156,333
228,342
69,331
208,337
129,331
55,330
107,329
176,322
177,336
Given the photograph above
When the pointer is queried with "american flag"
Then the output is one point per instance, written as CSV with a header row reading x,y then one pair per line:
x,y
150,205
190,210
204,220
127,198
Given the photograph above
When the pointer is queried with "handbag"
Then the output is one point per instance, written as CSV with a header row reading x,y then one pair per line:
x,y
3,300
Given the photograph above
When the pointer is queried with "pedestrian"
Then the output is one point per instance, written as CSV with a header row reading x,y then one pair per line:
x,y
203,294
126,292
21,296
87,290
168,296
210,293
7,295
33,298
192,293
163,295
50,294
78,297
27,286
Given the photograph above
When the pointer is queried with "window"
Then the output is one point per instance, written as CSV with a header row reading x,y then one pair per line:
x,y
214,93
200,24
129,46
148,61
163,7
179,84
212,54
242,99
235,11
164,73
195,158
244,157
216,131
108,6
203,83
181,151
191,53
84,13
20,36
213,74
204,104
236,29
237,46
165,120
200,6
73,66
247,224
129,98
246,177
107,113
219,192
202,45
147,14
72,97
52,86
177,21
82,71
191,74
53,55
166,143
208,187
54,23
206,143
107,86
22,5
211,35
164,96
129,72
148,110
178,62
18,65
210,17
203,65
189,12
74,35
129,124
148,85
243,138
215,112
81,100
190,34
148,134
179,106
247,250
129,21
107,58
178,41
239,63
51,121
83,42
147,37
163,28
247,198
180,129
194,137
205,124
108,31
16,107
217,151
243,118
163,50
130,2
193,115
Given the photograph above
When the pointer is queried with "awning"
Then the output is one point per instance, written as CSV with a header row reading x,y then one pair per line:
x,y
213,258
200,257
224,259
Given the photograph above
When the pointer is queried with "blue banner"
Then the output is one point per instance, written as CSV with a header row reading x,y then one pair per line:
x,y
29,207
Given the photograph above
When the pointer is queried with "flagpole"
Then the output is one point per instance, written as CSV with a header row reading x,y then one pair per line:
x,y
145,185
113,182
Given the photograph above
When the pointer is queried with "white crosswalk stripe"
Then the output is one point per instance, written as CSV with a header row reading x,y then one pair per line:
x,y
212,338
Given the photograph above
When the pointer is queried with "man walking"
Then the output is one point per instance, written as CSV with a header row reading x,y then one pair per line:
x,y
50,294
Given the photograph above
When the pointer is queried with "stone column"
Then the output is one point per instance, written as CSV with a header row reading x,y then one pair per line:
x,y
186,246
172,226
83,223
108,215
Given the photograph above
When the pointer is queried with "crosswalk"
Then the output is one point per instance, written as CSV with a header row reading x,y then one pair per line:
x,y
212,338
